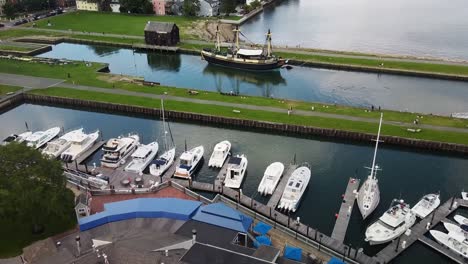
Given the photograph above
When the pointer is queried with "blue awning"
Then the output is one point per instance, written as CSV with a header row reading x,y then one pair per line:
x,y
293,253
261,228
262,240
334,260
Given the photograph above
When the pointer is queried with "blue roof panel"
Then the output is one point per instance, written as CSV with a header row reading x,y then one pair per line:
x,y
221,215
293,253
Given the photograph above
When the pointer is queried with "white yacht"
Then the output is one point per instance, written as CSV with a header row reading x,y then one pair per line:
x,y
40,138
188,162
80,142
369,193
392,224
426,205
116,150
16,138
142,157
455,229
55,147
165,160
295,188
461,220
220,153
235,172
464,195
271,178
454,241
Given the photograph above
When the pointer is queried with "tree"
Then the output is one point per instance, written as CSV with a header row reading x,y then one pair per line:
x,y
228,6
9,8
191,7
32,188
136,6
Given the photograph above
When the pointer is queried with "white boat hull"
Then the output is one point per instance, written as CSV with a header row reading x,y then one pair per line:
x,y
219,155
47,136
138,165
461,220
75,151
290,200
166,160
113,164
423,208
187,173
236,181
444,239
368,197
271,178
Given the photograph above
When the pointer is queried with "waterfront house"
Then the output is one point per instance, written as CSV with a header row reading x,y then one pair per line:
x,y
209,8
82,206
161,33
87,5
115,6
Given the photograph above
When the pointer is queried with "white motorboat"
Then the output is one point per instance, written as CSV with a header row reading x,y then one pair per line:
x,y
271,178
188,162
55,147
40,138
16,138
464,195
461,220
455,229
392,224
235,171
142,157
116,150
80,143
220,153
426,205
165,160
453,241
295,188
369,193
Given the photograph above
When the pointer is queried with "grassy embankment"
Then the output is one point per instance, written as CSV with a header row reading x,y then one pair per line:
x,y
4,89
257,115
83,75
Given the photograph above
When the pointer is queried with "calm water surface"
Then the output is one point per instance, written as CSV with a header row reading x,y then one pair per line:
x,y
301,83
406,174
434,28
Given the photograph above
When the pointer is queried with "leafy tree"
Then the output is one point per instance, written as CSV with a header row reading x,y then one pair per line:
x,y
191,7
9,9
228,6
136,6
32,188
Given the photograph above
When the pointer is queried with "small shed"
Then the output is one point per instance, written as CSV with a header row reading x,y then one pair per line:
x,y
82,206
161,33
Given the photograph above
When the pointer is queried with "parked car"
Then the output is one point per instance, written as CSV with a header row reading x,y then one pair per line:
x,y
1,25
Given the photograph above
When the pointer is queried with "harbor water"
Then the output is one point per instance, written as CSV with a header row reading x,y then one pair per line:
x,y
401,93
406,174
428,28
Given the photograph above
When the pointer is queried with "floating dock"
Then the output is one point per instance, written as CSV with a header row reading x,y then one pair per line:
x,y
218,183
90,151
342,221
276,196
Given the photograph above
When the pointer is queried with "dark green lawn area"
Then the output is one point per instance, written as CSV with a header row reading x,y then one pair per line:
x,y
323,122
4,89
114,23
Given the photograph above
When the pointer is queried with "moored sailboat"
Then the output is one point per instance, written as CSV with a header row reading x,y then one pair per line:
x,y
369,193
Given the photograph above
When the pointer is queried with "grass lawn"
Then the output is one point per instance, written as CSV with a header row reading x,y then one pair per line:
x,y
232,17
114,23
4,89
388,64
83,75
390,130
14,48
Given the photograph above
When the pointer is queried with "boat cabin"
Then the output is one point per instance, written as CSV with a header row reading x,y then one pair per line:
x,y
142,153
235,169
111,145
186,160
250,54
394,217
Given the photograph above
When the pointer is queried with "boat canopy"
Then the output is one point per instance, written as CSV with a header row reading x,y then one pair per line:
x,y
249,52
141,152
391,219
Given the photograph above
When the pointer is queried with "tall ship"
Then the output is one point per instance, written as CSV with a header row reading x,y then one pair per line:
x,y
243,58
369,193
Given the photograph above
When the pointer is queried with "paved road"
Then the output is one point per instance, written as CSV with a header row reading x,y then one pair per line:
x,y
21,80
277,48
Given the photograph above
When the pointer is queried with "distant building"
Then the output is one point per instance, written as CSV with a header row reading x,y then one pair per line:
x,y
82,206
115,6
87,5
159,7
208,8
65,3
161,33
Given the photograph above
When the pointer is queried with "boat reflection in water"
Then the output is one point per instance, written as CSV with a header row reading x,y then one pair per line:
x,y
230,80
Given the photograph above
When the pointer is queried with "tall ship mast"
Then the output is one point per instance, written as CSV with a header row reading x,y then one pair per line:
x,y
243,58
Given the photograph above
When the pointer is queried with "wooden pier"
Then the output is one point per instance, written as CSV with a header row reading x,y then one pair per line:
x,y
276,196
219,181
90,151
342,221
418,231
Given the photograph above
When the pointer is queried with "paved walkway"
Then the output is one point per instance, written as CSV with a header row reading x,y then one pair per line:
x,y
21,80
304,51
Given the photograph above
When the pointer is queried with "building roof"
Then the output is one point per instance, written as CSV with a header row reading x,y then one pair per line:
x,y
160,27
224,216
81,199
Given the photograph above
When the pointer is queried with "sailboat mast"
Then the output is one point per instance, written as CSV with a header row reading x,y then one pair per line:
x,y
218,44
164,125
237,37
268,43
376,147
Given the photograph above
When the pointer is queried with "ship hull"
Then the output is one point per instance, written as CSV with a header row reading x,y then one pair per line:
x,y
244,65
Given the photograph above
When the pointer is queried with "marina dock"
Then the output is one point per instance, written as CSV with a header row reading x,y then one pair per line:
x,y
274,199
218,183
90,151
442,250
418,231
342,221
